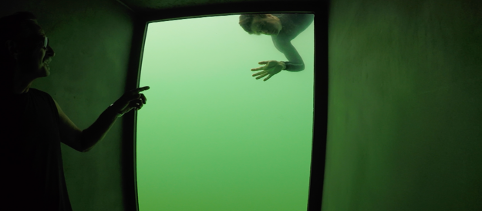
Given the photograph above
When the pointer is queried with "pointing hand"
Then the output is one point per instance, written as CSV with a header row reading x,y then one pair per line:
x,y
130,100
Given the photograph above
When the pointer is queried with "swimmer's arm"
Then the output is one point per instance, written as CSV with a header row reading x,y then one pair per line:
x,y
285,47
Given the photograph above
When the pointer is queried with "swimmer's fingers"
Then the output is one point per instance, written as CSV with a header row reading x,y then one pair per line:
x,y
261,68
268,77
262,72
258,68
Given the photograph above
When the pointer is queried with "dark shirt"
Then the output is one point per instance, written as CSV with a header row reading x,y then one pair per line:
x,y
31,161
292,26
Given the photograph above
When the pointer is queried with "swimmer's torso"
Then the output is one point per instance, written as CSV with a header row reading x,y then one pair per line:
x,y
293,24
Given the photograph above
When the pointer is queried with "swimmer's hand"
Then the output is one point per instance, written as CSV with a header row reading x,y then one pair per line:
x,y
271,68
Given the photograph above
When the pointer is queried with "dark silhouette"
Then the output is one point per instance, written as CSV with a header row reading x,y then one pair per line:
x,y
33,124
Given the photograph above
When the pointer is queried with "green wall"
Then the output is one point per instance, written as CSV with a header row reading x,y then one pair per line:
x,y
211,136
405,117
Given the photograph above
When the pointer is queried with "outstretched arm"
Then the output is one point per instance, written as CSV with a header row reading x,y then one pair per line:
x,y
84,140
273,67
285,47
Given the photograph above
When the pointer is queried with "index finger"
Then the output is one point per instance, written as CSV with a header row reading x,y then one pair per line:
x,y
140,89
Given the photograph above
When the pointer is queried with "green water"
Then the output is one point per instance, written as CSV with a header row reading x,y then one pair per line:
x,y
213,138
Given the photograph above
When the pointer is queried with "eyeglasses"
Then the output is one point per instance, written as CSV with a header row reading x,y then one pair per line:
x,y
37,40
46,42
43,40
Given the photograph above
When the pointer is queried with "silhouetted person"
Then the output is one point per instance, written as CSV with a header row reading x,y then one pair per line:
x,y
33,124
283,28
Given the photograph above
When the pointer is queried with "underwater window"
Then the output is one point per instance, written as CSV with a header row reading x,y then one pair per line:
x,y
212,136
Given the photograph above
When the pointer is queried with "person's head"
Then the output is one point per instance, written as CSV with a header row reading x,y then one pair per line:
x,y
260,24
24,49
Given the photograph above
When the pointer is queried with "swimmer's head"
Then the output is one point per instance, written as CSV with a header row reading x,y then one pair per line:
x,y
260,24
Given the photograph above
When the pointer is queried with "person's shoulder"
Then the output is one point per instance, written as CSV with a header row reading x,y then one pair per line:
x,y
34,90
292,14
302,16
38,92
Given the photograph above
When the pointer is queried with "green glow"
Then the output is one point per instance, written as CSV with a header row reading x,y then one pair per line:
x,y
211,137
